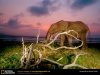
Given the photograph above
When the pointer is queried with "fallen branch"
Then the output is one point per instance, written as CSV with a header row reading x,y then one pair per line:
x,y
67,33
63,47
29,57
23,54
27,52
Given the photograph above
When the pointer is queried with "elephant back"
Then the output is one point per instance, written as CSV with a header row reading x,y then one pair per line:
x,y
62,25
78,26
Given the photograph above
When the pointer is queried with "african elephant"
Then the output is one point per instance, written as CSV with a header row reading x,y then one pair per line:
x,y
62,26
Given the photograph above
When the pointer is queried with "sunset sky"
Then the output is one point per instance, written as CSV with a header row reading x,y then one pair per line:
x,y
25,17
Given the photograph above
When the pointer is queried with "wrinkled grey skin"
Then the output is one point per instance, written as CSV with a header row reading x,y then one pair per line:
x,y
62,26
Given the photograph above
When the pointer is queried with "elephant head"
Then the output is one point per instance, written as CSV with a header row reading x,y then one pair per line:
x,y
62,26
57,27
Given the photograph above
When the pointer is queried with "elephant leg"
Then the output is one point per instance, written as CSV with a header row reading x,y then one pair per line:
x,y
83,38
70,41
62,38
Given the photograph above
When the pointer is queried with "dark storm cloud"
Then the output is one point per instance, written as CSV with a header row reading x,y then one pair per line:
x,y
80,4
44,8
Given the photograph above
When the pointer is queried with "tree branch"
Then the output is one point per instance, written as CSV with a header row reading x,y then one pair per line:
x,y
29,56
53,61
67,33
38,36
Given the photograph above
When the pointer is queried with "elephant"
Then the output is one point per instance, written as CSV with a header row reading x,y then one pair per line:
x,y
61,26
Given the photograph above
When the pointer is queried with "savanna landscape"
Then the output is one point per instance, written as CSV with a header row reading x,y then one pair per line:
x,y
49,34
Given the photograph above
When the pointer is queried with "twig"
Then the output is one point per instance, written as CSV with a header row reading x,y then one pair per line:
x,y
53,61
29,56
60,59
38,36
23,56
23,43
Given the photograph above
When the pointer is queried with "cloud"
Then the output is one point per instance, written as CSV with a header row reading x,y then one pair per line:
x,y
44,8
14,27
13,24
47,2
38,11
1,14
80,4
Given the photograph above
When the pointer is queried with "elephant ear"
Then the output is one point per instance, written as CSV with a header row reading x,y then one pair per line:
x,y
63,25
